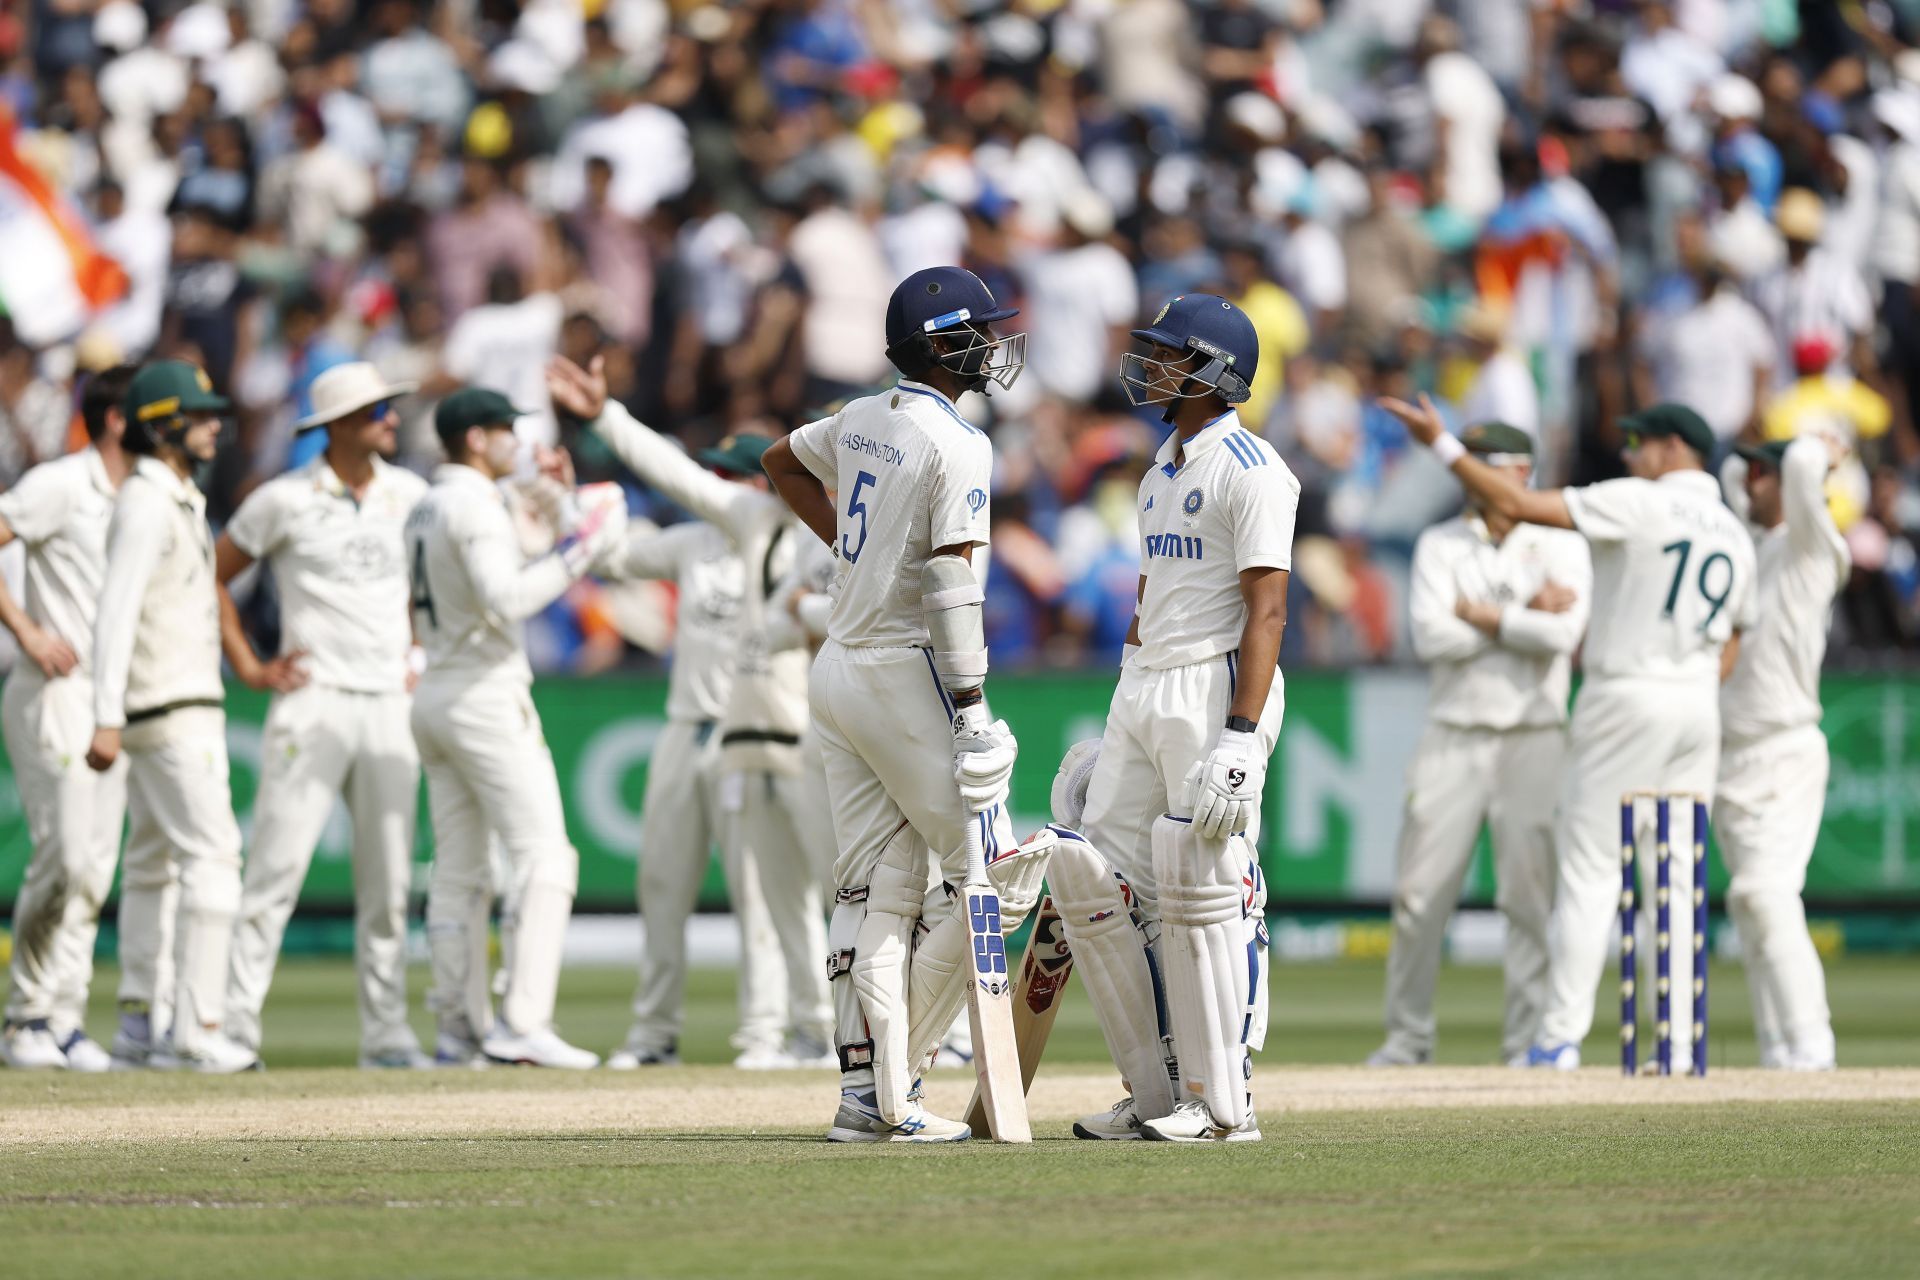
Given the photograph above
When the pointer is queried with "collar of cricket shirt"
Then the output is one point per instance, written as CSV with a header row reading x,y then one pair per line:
x,y
1203,440
1700,481
171,482
328,481
939,398
97,471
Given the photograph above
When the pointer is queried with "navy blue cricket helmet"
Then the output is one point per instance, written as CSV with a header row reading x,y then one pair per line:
x,y
955,305
1223,352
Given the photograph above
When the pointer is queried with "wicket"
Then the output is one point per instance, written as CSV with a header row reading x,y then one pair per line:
x,y
1662,932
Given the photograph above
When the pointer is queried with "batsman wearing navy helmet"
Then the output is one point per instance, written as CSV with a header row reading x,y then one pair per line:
x,y
897,484
1162,901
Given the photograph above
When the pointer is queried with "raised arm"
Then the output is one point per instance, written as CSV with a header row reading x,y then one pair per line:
x,y
1498,491
1811,531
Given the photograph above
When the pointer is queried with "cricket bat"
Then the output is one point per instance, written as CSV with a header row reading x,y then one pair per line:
x,y
1036,998
996,1059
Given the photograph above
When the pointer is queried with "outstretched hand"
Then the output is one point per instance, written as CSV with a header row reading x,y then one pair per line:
x,y
580,392
1422,421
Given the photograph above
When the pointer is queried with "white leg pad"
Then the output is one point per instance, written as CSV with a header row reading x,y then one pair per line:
x,y
1109,946
850,1037
1203,900
881,951
937,987
1257,943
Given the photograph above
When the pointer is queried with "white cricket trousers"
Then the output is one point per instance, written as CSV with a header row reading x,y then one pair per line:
x,y
490,775
181,838
1627,735
680,825
1772,794
74,816
1161,723
1459,780
321,744
775,836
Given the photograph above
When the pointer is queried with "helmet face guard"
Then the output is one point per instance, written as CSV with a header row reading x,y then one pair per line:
x,y
978,358
1161,382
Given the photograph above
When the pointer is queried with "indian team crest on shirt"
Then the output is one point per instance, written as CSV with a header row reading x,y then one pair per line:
x,y
1194,501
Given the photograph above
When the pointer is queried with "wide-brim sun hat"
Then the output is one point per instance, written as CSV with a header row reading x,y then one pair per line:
x,y
349,388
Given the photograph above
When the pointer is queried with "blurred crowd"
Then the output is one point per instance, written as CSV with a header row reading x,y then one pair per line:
x,y
1546,212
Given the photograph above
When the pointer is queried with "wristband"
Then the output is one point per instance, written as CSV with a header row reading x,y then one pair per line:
x,y
1240,724
1448,449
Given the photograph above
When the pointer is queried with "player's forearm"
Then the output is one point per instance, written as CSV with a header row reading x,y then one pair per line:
x,y
133,552
668,470
1729,657
801,490
1507,497
13,617
1803,496
1525,630
233,637
1447,639
512,591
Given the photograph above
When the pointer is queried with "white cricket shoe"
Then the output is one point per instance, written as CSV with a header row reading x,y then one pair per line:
x,y
453,1049
762,1057
84,1054
542,1048
1809,1062
1191,1121
213,1055
406,1058
859,1120
1388,1056
629,1058
133,1041
810,1053
1119,1123
1554,1057
31,1046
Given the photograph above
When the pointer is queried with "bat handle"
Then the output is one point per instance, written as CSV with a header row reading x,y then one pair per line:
x,y
976,847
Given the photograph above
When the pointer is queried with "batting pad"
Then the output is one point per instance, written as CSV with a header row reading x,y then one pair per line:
x,y
937,983
1203,946
880,957
1110,953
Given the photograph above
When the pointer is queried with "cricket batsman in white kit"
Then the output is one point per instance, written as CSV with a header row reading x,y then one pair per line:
x,y
1498,609
1163,902
489,773
912,754
1773,762
158,696
1673,588
60,511
338,722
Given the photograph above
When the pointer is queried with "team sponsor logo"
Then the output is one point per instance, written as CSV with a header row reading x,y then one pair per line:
x,y
1174,546
989,947
1195,500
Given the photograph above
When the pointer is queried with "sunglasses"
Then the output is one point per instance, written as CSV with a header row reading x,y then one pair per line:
x,y
1633,439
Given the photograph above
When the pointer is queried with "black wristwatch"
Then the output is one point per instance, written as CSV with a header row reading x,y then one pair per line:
x,y
1240,724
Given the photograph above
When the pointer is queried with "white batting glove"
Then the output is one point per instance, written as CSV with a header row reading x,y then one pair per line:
x,y
983,756
598,532
1071,782
1224,790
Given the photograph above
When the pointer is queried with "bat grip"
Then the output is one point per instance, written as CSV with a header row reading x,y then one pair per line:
x,y
976,848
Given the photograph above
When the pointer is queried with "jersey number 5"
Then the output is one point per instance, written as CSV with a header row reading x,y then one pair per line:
x,y
855,507
422,594
1705,581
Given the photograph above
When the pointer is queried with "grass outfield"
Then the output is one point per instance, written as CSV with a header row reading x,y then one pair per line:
x,y
705,1171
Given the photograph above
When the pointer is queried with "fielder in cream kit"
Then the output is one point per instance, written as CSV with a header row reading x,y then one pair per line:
x,y
1773,760
60,510
489,773
158,695
338,722
912,754
1497,610
1673,588
1163,902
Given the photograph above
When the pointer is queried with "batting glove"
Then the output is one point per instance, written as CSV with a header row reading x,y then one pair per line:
x,y
983,756
1224,790
1071,782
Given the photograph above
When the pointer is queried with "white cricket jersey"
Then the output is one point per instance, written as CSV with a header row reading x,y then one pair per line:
x,y
910,475
471,586
1228,507
156,643
341,569
1803,563
712,581
1673,576
60,512
1520,677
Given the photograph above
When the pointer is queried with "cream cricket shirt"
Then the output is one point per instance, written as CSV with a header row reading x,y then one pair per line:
x,y
60,512
471,587
1673,576
712,583
1520,677
341,569
1803,563
156,642
909,475
1228,506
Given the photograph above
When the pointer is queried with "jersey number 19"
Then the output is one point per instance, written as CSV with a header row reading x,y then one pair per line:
x,y
1705,581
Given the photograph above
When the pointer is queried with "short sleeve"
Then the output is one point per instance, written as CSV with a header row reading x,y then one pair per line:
x,y
256,527
958,496
36,507
1611,511
813,445
1264,501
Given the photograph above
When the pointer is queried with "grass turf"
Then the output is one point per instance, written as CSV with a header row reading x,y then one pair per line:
x,y
1747,1190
